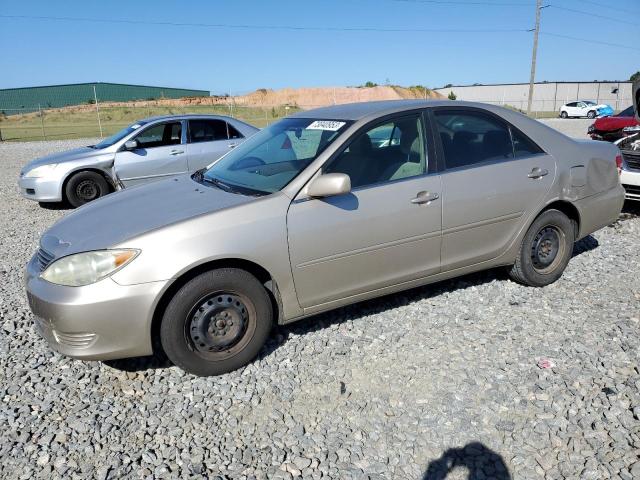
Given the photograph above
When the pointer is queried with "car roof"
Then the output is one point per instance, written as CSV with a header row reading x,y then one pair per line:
x,y
357,111
183,116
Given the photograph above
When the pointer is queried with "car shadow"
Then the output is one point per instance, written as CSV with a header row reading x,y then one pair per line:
x,y
480,462
55,205
631,209
584,245
281,333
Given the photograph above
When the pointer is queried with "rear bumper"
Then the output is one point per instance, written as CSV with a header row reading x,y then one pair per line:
x,y
599,210
41,189
102,321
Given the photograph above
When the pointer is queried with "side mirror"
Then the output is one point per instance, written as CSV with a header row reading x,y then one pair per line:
x,y
130,144
329,185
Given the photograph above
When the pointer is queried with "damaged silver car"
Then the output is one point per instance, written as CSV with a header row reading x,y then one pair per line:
x,y
148,150
325,208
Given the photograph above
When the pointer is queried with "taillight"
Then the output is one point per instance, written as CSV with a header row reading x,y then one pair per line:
x,y
619,163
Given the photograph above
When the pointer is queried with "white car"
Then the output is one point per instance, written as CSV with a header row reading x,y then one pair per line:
x,y
584,108
629,162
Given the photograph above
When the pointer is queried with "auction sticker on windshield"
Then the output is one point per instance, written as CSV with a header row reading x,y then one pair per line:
x,y
330,125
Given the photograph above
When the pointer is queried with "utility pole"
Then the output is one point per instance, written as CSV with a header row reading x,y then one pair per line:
x,y
95,99
536,32
41,122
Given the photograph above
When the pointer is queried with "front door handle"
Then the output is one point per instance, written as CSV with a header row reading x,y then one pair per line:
x,y
176,152
425,197
538,172
232,145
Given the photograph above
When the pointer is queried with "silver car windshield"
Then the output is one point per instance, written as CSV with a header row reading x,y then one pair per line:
x,y
107,142
274,156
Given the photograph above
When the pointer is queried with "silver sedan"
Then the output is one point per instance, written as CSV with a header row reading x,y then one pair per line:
x,y
325,208
150,149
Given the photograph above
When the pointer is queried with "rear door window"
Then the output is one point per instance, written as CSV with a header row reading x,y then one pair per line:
x,y
470,137
207,130
523,146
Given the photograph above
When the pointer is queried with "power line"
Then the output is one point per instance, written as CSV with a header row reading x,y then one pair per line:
x,y
266,27
610,7
596,42
471,3
306,28
582,12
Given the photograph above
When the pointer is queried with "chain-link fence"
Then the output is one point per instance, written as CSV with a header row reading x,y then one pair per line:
x,y
101,120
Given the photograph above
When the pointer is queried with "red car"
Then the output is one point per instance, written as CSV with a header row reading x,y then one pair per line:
x,y
610,128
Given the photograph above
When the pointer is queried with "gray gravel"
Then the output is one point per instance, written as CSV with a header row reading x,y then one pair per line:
x,y
407,386
573,127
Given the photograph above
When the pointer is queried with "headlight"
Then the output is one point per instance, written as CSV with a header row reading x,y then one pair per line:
x,y
41,171
88,267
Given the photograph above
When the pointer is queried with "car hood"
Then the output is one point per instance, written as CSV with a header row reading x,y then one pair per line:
x,y
614,123
129,213
62,157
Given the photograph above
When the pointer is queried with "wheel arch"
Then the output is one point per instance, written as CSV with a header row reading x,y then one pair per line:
x,y
258,271
99,171
569,209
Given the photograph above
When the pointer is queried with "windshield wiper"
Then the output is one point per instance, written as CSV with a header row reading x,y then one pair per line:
x,y
218,183
199,176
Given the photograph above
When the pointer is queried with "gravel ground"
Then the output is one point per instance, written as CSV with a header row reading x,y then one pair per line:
x,y
477,375
573,127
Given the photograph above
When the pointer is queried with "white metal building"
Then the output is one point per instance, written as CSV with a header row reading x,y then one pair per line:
x,y
547,96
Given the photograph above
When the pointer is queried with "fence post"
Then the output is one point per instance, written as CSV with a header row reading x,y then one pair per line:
x,y
44,136
95,97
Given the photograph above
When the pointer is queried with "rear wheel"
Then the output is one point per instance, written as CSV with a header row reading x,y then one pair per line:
x,y
546,250
563,114
591,114
217,322
84,187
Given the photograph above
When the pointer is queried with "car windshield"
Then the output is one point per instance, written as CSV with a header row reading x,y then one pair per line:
x,y
107,142
270,159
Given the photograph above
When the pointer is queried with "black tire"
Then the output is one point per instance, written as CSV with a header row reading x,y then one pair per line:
x,y
545,251
563,115
84,187
217,322
591,114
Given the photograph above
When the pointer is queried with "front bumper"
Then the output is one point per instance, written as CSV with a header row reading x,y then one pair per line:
x,y
102,321
631,182
41,189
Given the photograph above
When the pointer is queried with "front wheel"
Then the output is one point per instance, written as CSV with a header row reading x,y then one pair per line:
x,y
591,114
545,251
84,187
563,115
217,322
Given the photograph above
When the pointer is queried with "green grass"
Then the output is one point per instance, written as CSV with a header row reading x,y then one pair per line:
x,y
82,121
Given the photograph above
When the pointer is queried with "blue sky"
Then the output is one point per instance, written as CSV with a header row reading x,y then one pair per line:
x,y
41,52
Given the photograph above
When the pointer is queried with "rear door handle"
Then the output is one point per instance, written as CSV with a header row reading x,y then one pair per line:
x,y
176,152
425,197
538,172
232,145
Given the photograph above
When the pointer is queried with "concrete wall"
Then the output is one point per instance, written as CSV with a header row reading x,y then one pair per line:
x,y
547,97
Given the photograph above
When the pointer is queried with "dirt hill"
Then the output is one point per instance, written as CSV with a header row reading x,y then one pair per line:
x,y
321,96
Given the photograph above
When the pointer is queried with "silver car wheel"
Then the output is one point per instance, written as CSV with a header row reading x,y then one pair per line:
x,y
218,323
547,249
